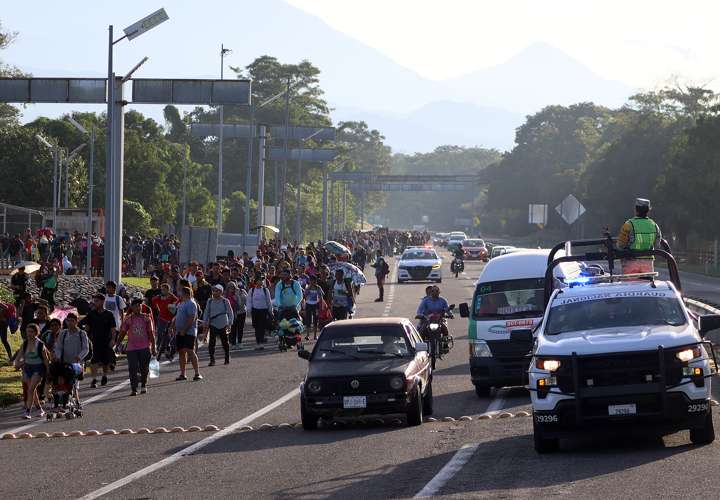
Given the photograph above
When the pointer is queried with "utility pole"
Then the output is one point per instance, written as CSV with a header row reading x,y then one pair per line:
x,y
261,181
185,173
248,176
325,206
285,160
90,203
219,222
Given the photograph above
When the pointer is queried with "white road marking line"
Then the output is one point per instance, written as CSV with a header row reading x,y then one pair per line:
x,y
456,463
190,449
497,402
85,403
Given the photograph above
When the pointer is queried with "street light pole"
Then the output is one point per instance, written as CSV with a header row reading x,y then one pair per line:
x,y
185,173
248,177
90,203
219,222
285,160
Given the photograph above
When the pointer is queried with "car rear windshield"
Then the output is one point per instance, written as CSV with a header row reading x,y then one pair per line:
x,y
615,312
419,254
365,342
522,298
473,243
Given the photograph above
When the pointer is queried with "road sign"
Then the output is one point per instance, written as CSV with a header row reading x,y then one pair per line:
x,y
300,133
146,24
537,214
176,91
86,90
305,154
408,187
230,130
570,209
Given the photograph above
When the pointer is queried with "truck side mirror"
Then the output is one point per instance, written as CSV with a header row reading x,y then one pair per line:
x,y
464,310
708,323
304,354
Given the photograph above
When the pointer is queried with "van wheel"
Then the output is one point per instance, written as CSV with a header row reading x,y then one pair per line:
x,y
542,444
483,391
704,434
428,401
415,412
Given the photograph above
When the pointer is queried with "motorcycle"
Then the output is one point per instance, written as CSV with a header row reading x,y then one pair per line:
x,y
457,266
434,330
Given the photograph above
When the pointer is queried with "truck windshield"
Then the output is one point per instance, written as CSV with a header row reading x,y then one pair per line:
x,y
509,299
615,312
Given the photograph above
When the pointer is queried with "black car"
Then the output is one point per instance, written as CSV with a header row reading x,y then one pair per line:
x,y
370,366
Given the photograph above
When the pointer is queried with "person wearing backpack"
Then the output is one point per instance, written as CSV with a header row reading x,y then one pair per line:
x,y
288,293
217,320
381,271
260,307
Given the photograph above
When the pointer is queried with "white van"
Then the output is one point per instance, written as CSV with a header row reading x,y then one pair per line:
x,y
509,295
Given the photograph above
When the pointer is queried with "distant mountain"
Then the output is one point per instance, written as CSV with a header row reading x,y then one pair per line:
x,y
536,77
442,122
415,113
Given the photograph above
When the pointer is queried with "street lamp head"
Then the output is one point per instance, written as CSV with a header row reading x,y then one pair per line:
x,y
224,50
75,151
44,141
77,125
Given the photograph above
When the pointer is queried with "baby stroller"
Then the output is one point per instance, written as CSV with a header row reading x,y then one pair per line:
x,y
290,330
65,382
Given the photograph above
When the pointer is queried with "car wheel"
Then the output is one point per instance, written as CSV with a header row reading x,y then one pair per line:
x,y
428,401
483,391
704,434
415,412
400,282
438,280
542,444
309,421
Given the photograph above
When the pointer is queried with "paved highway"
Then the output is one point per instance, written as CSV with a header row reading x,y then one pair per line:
x,y
480,457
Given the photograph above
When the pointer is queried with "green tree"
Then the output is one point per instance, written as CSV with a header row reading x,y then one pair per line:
x,y
8,114
136,219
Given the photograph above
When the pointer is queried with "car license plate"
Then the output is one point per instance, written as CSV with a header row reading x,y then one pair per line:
x,y
615,410
355,402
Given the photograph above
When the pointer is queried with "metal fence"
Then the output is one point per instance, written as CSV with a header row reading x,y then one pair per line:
x,y
15,220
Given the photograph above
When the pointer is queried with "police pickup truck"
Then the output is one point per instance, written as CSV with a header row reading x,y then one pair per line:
x,y
620,352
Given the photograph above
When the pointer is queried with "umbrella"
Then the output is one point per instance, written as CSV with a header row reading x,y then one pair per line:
x,y
351,271
30,267
265,226
337,248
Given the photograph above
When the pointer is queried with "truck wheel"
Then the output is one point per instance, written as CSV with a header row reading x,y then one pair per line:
x,y
415,412
483,391
309,421
704,434
542,444
428,401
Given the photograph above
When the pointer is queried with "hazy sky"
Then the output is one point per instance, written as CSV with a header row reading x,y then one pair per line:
x,y
638,42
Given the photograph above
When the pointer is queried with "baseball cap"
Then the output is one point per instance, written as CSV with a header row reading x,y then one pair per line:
x,y
218,287
642,202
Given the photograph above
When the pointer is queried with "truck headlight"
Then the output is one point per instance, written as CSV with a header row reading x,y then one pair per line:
x,y
397,383
480,349
314,386
688,354
550,365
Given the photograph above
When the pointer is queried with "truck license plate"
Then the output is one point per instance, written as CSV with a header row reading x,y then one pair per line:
x,y
630,409
355,402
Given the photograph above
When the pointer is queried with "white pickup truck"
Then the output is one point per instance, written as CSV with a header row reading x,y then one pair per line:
x,y
621,353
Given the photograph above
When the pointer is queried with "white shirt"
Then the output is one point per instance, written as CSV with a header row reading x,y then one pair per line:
x,y
115,304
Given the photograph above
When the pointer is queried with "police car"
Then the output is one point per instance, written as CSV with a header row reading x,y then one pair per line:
x,y
621,352
420,264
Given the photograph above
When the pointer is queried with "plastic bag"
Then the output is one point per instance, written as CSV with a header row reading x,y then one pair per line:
x,y
154,368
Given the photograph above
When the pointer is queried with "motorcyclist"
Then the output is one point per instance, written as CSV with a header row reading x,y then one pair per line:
x,y
459,254
639,233
431,305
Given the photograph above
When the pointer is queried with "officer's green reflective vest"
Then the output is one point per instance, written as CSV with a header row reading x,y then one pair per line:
x,y
645,232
